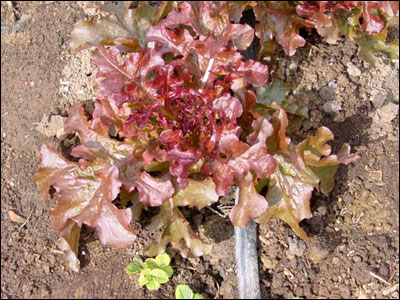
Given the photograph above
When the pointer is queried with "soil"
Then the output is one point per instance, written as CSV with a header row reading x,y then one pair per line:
x,y
354,252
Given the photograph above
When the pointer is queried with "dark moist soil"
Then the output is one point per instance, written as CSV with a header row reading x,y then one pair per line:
x,y
355,246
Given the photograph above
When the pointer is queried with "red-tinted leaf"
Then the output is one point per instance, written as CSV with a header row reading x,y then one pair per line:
x,y
390,8
250,205
97,145
51,167
262,130
154,152
256,158
255,73
242,35
371,23
85,196
182,161
290,41
344,155
176,42
114,76
109,113
242,158
129,171
315,11
222,177
152,191
228,107
278,141
230,145
68,243
178,16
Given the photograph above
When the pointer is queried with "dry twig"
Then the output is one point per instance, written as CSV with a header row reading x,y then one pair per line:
x,y
379,278
26,221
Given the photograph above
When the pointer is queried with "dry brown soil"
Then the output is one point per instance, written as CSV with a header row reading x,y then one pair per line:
x,y
354,251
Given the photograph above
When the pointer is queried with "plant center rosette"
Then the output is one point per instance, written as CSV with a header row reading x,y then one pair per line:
x,y
174,125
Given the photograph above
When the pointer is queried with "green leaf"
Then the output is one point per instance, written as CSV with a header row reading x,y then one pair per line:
x,y
311,166
153,285
198,296
163,10
159,275
198,193
145,276
124,27
183,291
177,231
370,46
289,200
326,174
274,96
150,263
277,91
163,260
168,270
133,268
262,183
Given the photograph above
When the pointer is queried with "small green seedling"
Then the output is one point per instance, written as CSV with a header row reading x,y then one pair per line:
x,y
183,291
153,272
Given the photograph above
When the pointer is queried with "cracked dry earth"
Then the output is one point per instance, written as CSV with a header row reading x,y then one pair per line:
x,y
355,245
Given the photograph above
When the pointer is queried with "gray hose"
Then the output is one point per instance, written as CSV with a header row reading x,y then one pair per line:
x,y
247,259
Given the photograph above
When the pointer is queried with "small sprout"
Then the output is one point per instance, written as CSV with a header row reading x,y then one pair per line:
x,y
183,291
153,272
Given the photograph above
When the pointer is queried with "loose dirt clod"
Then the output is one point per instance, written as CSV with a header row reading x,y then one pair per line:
x,y
390,290
52,127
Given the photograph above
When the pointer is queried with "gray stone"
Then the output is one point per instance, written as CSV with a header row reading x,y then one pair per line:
x,y
332,107
327,93
378,99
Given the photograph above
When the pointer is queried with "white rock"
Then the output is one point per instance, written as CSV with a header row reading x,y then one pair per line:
x,y
388,112
296,247
352,70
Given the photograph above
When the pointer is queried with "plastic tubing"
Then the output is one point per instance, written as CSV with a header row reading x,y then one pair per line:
x,y
247,259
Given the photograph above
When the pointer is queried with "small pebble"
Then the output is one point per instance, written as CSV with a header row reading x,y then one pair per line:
x,y
332,107
335,260
352,70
